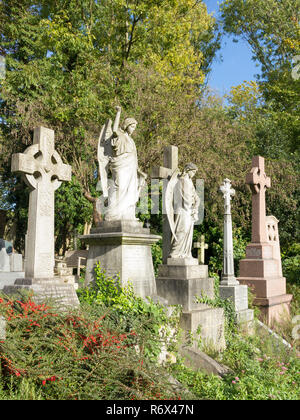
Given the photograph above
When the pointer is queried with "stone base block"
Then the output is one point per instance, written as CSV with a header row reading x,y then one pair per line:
x,y
265,287
182,261
274,309
184,291
245,316
123,249
259,268
180,284
210,322
9,278
46,288
238,294
183,271
259,251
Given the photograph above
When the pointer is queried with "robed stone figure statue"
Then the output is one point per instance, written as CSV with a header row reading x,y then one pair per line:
x,y
117,156
182,203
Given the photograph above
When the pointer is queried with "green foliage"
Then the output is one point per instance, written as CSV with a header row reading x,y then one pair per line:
x,y
75,355
214,237
291,263
272,30
256,373
131,310
72,211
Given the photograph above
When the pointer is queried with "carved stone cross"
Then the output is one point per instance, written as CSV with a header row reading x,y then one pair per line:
x,y
165,172
259,182
228,277
42,170
227,192
201,246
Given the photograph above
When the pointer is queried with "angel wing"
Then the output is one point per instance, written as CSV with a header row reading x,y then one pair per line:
x,y
169,201
104,154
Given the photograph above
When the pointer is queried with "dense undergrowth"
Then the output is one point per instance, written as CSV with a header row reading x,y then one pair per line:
x,y
109,348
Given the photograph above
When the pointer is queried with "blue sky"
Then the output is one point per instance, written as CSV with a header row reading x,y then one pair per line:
x,y
236,64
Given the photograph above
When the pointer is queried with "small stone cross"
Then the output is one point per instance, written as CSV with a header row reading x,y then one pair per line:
x,y
42,170
201,246
259,182
165,172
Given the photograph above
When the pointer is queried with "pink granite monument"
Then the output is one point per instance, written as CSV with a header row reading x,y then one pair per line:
x,y
261,269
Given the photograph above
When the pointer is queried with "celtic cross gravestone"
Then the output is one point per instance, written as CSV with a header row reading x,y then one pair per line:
x,y
43,171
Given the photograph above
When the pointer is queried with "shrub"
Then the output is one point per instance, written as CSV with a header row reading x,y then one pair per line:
x,y
82,354
131,311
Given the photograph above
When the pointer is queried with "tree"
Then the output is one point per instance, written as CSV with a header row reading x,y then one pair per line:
x,y
271,28
70,63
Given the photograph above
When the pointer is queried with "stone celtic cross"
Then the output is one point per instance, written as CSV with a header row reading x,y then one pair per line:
x,y
259,182
42,170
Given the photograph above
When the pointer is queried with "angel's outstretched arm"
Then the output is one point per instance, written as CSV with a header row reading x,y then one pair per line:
x,y
117,120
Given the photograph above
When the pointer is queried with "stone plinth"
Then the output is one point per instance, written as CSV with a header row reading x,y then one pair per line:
x,y
9,278
208,323
261,271
55,288
239,295
179,282
123,249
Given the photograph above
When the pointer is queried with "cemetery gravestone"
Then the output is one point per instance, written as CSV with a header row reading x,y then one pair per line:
x,y
170,158
11,266
120,243
181,279
201,246
43,171
261,269
229,286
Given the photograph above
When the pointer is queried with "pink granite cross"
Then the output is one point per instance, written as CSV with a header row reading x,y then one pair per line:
x,y
259,182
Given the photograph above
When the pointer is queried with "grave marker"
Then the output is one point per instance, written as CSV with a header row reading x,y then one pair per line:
x,y
43,171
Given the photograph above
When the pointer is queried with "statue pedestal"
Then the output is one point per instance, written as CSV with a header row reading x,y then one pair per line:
x,y
179,284
238,293
123,248
262,273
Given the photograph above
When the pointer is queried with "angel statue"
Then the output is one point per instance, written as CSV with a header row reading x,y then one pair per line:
x,y
182,203
117,155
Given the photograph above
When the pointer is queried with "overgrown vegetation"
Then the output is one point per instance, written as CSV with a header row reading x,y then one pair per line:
x,y
111,346
92,353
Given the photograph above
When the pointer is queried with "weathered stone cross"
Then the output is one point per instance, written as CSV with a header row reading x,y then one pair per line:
x,y
201,246
42,170
165,172
259,182
228,277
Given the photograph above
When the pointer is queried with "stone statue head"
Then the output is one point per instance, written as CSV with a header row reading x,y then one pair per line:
x,y
129,125
191,169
